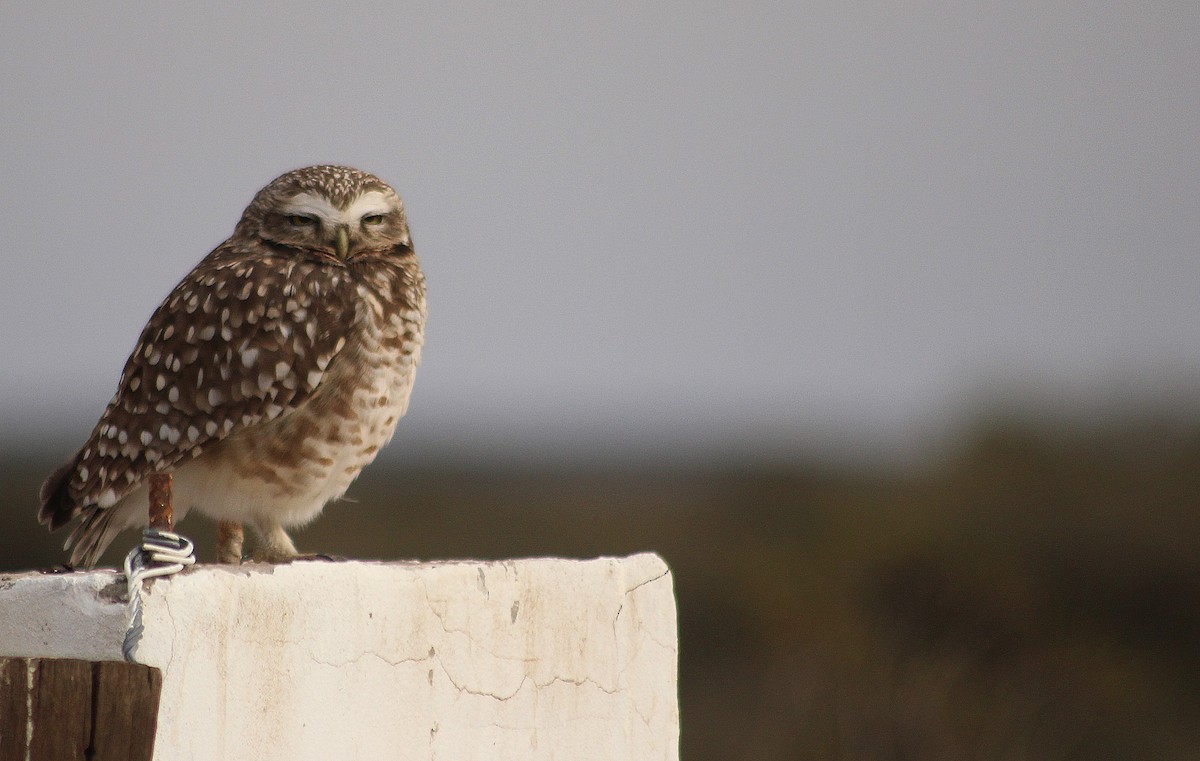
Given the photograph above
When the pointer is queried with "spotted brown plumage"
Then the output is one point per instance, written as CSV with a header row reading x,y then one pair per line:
x,y
269,377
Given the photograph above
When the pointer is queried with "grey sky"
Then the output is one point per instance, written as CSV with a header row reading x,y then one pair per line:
x,y
675,224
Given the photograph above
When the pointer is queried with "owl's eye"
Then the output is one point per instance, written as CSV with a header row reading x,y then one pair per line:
x,y
301,220
373,219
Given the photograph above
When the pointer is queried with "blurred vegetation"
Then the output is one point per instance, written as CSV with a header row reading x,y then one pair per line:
x,y
1035,594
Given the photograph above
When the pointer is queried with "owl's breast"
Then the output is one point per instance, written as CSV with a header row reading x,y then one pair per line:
x,y
366,391
368,386
312,453
364,394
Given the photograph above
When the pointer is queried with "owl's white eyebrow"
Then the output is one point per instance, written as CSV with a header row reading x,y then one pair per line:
x,y
306,204
371,202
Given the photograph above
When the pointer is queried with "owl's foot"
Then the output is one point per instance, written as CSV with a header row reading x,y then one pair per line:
x,y
322,556
274,545
272,555
265,555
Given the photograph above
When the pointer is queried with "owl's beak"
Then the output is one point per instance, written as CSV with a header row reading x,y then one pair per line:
x,y
342,242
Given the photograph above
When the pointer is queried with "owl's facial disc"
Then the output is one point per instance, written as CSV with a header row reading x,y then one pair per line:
x,y
364,224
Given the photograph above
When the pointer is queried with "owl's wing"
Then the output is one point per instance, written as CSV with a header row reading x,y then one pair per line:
x,y
237,342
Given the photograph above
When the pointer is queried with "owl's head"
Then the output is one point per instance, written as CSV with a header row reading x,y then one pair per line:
x,y
334,212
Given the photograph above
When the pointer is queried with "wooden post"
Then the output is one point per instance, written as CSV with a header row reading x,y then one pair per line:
x,y
162,513
73,710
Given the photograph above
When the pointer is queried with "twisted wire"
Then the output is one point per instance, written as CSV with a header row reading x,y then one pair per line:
x,y
161,553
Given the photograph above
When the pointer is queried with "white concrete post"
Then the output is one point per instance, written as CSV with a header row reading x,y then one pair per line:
x,y
524,659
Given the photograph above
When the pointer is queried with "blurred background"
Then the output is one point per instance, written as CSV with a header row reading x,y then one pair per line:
x,y
877,321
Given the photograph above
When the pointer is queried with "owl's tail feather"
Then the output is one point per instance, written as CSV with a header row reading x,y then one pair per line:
x,y
58,506
92,536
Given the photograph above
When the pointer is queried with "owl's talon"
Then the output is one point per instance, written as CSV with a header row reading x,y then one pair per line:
x,y
322,556
274,557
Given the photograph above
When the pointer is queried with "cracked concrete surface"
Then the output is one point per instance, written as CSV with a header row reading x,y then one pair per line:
x,y
530,659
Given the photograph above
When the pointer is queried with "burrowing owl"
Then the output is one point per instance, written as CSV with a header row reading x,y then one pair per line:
x,y
269,377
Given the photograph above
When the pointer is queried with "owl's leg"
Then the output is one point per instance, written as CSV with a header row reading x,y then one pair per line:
x,y
274,544
230,536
